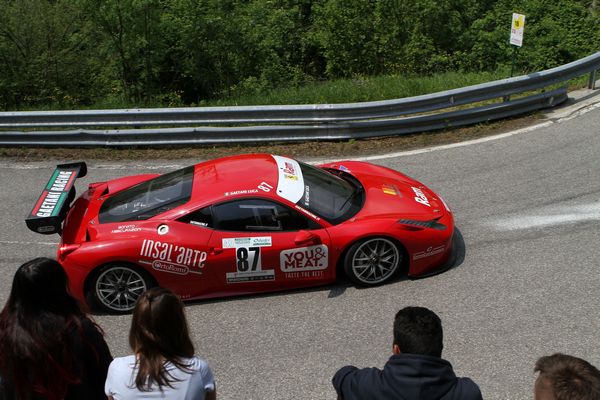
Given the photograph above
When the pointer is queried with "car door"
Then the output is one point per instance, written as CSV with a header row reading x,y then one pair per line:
x,y
264,245
180,256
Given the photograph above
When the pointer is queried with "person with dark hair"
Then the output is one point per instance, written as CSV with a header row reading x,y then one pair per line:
x,y
564,377
163,364
49,348
414,371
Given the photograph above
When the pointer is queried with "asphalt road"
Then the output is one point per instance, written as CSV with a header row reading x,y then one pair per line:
x,y
528,208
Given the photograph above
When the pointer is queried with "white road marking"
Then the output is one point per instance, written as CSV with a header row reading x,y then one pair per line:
x,y
560,216
575,114
28,243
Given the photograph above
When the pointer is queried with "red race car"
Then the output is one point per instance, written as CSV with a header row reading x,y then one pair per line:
x,y
242,224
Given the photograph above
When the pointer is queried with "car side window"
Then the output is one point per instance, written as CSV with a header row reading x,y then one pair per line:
x,y
201,217
259,215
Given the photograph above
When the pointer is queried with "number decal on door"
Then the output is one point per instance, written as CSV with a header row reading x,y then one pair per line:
x,y
248,259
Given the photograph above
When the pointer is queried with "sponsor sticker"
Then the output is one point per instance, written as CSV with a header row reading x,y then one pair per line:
x,y
431,251
307,196
311,258
420,196
126,229
233,243
389,189
54,194
290,183
165,266
238,277
174,255
305,211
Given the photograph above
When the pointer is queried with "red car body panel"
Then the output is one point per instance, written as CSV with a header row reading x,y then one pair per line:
x,y
200,262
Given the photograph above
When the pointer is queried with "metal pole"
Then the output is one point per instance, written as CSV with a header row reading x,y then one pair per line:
x,y
512,68
592,81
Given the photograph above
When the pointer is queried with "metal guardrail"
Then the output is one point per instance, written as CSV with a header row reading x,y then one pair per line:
x,y
292,122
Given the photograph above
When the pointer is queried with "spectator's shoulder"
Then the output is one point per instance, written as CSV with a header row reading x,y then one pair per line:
x,y
470,390
127,362
196,363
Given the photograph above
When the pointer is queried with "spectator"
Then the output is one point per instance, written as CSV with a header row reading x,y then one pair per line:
x,y
564,377
164,365
414,371
50,349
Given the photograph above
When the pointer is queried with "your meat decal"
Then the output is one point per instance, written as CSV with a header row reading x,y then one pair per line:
x,y
248,259
304,262
168,257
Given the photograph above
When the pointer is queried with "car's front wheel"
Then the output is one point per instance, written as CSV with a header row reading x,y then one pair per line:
x,y
116,287
372,261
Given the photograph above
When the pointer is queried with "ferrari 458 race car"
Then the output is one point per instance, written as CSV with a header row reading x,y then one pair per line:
x,y
239,225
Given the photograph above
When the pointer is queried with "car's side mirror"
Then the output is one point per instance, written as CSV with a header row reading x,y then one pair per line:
x,y
306,238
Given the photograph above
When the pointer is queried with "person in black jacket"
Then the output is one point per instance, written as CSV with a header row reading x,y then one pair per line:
x,y
49,348
414,371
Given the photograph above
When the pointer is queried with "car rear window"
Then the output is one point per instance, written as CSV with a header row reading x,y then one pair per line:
x,y
150,198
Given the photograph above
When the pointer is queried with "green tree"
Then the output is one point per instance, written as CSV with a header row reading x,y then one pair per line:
x,y
41,48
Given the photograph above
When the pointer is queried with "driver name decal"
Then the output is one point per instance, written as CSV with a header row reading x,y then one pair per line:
x,y
312,258
420,196
169,257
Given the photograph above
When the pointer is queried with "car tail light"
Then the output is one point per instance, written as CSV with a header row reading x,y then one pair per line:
x,y
66,249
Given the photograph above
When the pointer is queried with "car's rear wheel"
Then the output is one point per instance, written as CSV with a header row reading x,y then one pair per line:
x,y
372,261
116,287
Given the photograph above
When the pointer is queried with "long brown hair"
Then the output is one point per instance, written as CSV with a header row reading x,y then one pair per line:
x,y
159,334
36,332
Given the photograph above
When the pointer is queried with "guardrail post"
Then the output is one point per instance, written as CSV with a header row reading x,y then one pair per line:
x,y
592,81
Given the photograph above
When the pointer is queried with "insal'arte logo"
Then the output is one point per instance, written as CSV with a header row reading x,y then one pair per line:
x,y
304,259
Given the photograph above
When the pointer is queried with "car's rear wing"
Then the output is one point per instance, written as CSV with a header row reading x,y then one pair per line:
x,y
52,205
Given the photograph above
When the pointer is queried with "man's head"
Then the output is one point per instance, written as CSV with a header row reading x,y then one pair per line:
x,y
418,330
565,377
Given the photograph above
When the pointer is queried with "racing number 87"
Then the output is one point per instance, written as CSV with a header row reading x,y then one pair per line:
x,y
244,261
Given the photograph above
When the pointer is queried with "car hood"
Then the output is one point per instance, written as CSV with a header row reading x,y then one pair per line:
x,y
390,192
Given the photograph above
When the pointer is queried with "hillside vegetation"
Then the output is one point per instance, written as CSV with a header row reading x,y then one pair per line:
x,y
125,53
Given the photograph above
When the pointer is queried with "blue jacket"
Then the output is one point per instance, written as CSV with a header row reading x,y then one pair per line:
x,y
405,377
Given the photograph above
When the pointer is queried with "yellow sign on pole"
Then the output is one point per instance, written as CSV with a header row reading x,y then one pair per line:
x,y
516,30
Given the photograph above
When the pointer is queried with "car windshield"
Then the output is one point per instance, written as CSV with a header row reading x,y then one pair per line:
x,y
149,198
328,195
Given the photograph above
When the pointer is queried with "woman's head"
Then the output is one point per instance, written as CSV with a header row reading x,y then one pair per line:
x,y
36,331
39,286
159,333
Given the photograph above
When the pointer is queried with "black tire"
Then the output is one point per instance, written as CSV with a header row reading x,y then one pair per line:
x,y
372,261
116,287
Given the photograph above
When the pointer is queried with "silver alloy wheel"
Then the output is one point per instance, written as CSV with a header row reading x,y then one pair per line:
x,y
118,288
375,260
